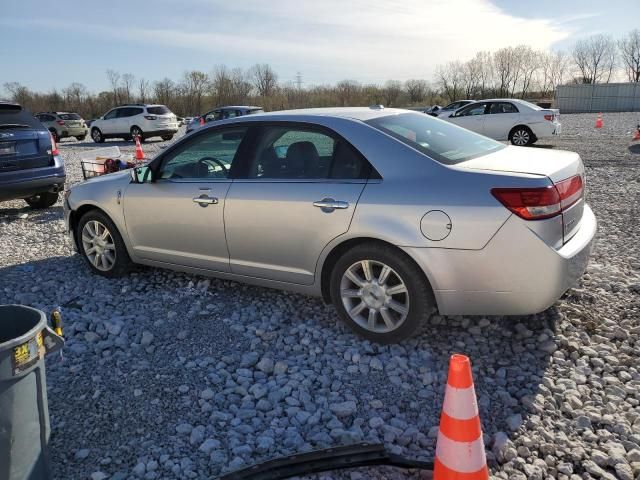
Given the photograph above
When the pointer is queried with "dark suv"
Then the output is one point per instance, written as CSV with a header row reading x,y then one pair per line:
x,y
30,164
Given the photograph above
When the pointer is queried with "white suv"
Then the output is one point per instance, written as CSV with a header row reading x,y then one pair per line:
x,y
136,120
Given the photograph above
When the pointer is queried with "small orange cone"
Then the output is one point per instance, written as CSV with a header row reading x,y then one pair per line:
x,y
201,120
139,152
460,447
599,122
637,135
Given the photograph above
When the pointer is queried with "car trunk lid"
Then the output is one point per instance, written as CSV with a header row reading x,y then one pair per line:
x,y
559,166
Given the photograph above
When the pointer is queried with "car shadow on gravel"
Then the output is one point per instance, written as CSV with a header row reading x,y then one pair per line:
x,y
635,148
211,334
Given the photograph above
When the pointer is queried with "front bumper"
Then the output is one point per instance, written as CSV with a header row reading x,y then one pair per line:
x,y
516,273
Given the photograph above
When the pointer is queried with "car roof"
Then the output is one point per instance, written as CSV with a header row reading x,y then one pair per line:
x,y
355,113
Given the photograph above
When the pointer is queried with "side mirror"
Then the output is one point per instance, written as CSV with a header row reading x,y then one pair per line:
x,y
141,174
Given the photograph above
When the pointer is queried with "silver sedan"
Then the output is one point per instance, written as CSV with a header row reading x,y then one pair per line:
x,y
386,213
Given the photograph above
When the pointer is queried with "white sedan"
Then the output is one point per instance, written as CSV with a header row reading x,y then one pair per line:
x,y
520,122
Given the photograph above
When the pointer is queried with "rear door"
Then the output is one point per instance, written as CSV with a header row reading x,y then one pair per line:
x,y
502,117
297,192
471,117
128,118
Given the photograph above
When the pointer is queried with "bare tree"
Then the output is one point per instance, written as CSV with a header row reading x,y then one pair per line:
x,y
19,93
127,87
264,79
194,85
347,92
416,89
507,70
471,76
240,86
391,91
164,91
143,90
530,63
114,81
555,69
630,52
595,58
74,96
221,84
484,65
449,78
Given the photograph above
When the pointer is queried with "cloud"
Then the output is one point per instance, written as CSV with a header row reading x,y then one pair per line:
x,y
332,39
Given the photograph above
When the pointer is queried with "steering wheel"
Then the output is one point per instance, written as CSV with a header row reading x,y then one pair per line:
x,y
208,160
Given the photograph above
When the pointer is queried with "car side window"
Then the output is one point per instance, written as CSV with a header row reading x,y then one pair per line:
x,y
503,107
305,153
229,114
112,114
475,109
213,116
125,112
207,156
135,111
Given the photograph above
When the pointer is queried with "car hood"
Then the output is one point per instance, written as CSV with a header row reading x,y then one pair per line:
x,y
121,177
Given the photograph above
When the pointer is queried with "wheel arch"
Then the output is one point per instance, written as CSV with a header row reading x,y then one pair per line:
x,y
76,215
518,126
337,250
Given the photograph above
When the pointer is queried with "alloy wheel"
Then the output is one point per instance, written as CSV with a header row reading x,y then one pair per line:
x,y
520,137
98,245
374,296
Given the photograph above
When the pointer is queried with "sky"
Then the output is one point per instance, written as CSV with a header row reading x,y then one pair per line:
x,y
46,45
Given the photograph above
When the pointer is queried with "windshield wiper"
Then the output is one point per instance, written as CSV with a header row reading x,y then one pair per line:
x,y
14,125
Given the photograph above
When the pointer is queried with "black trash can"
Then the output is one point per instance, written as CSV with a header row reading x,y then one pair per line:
x,y
25,339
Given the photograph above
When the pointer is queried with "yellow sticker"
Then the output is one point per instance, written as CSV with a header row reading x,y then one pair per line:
x,y
27,354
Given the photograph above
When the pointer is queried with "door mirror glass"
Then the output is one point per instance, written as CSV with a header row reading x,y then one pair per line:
x,y
141,174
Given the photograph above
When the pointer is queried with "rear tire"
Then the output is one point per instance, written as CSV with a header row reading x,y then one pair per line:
x,y
81,138
521,136
391,304
137,132
110,245
96,135
166,138
42,200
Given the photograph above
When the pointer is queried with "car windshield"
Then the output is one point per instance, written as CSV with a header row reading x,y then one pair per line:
x,y
70,116
159,110
439,140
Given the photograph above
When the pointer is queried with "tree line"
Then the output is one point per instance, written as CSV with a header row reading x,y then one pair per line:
x,y
508,72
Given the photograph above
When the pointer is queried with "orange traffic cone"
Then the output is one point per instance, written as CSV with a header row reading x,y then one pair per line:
x,y
139,152
599,122
460,448
201,120
637,135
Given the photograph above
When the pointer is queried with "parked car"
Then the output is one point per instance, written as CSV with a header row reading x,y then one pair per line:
x,y
386,213
64,125
443,112
520,122
30,164
180,121
222,113
135,120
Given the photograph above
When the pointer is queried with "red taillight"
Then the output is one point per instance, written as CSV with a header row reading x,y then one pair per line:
x,y
60,122
54,146
549,117
542,202
150,117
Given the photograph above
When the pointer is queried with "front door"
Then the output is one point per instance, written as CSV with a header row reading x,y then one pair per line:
x,y
471,117
178,218
299,192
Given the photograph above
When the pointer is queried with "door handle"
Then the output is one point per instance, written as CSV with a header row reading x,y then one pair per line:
x,y
205,200
329,204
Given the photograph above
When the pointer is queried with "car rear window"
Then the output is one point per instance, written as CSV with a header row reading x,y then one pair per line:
x,y
14,116
439,140
70,116
161,110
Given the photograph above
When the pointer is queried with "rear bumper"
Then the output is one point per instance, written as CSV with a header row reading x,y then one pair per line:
x,y
516,273
546,129
26,183
74,132
159,133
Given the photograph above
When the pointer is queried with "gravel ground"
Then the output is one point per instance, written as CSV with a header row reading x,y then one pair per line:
x,y
167,375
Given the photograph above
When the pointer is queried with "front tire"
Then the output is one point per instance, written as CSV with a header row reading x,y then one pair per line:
x,y
521,136
166,138
81,138
101,245
380,293
96,135
42,200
